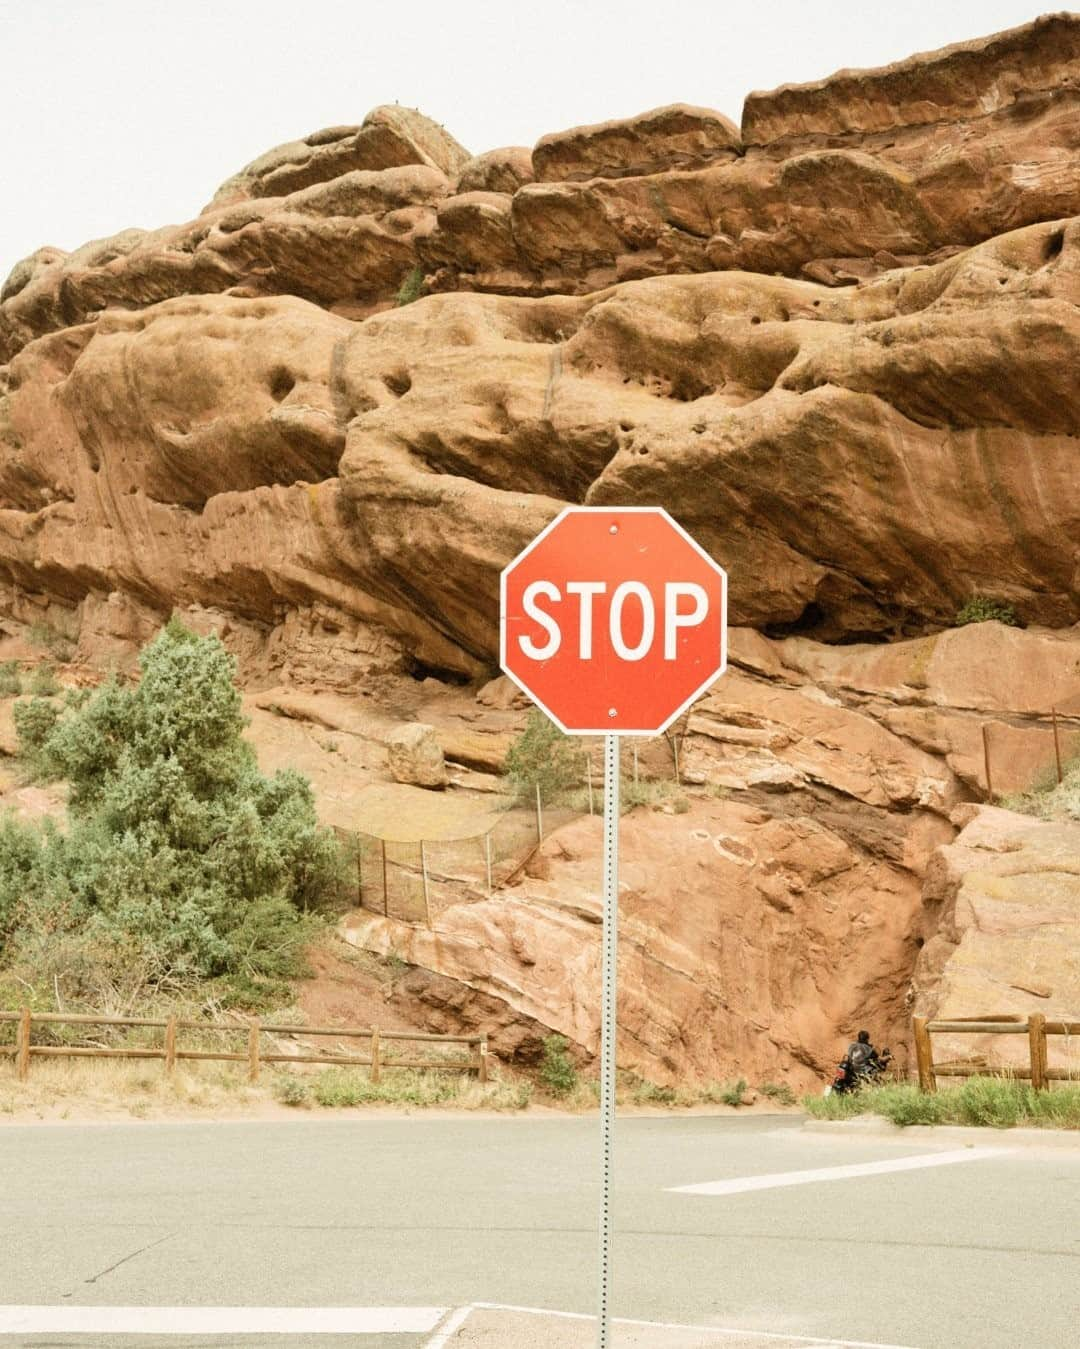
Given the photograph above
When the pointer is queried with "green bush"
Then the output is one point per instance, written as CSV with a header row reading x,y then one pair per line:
x,y
984,609
292,1091
734,1094
43,681
412,287
10,679
35,722
543,757
557,1071
177,850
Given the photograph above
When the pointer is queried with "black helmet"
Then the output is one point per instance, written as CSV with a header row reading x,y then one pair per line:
x,y
864,1037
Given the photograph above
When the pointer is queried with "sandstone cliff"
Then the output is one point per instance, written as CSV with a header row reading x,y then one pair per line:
x,y
838,342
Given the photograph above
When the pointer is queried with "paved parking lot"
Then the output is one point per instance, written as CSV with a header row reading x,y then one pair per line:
x,y
748,1226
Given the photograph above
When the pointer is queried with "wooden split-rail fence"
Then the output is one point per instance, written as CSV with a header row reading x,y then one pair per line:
x,y
1035,1027
254,1053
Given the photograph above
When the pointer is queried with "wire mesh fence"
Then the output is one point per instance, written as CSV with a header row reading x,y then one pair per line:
x,y
413,880
1034,755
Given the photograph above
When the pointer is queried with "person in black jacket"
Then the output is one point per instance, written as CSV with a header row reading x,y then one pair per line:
x,y
861,1057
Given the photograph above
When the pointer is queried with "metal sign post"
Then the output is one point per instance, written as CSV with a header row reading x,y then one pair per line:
x,y
613,621
609,982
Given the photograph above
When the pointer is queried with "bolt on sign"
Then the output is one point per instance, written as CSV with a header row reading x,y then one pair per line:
x,y
613,620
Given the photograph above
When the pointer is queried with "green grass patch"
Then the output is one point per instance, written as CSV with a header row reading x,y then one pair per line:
x,y
779,1092
990,1102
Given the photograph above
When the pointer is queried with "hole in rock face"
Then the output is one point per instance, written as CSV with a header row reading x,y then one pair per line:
x,y
399,383
626,426
755,320
417,670
810,618
1054,244
920,942
281,383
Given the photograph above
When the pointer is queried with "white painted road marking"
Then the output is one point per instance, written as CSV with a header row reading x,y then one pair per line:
x,y
743,1184
450,1326
789,1338
219,1320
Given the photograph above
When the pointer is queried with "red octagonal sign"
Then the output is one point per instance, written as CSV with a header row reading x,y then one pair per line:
x,y
613,620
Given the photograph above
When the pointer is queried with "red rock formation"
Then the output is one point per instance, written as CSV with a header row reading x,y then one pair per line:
x,y
838,345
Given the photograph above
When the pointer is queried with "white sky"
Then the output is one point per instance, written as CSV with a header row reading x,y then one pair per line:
x,y
131,112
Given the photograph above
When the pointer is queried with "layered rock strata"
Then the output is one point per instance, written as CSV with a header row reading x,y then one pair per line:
x,y
837,343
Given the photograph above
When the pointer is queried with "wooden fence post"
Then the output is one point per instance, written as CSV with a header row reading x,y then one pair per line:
x,y
924,1054
1037,1049
376,1065
482,1060
22,1045
986,761
170,1045
253,1052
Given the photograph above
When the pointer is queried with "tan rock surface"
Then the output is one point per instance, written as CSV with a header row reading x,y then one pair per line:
x,y
1008,936
674,137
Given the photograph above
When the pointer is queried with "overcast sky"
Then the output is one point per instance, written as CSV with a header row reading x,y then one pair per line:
x,y
131,112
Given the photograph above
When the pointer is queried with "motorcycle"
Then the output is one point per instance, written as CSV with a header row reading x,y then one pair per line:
x,y
847,1079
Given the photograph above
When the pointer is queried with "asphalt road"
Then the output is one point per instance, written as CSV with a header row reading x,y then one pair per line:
x,y
423,1212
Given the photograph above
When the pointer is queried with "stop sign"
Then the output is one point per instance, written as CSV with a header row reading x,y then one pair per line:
x,y
613,620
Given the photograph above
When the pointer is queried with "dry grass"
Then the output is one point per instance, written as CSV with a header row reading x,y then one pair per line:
x,y
75,1088
78,1088
336,1088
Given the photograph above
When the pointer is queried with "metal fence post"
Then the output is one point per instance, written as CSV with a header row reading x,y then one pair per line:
x,y
376,1063
1057,745
986,761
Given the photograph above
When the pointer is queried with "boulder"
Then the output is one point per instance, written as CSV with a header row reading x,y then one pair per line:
x,y
415,756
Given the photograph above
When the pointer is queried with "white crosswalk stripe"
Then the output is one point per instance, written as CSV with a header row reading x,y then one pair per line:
x,y
780,1179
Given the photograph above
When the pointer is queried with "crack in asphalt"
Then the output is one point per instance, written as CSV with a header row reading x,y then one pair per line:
x,y
124,1259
